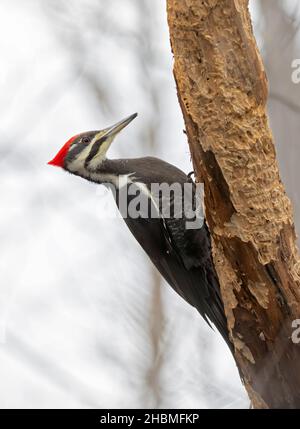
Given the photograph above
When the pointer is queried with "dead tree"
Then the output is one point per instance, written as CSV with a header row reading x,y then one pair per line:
x,y
222,90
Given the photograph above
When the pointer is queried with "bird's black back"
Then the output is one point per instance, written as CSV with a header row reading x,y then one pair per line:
x,y
182,256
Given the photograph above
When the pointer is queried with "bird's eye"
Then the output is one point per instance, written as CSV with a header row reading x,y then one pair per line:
x,y
85,140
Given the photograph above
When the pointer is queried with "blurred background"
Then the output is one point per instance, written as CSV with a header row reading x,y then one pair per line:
x,y
85,320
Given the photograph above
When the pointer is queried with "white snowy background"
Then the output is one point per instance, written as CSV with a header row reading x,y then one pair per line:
x,y
85,320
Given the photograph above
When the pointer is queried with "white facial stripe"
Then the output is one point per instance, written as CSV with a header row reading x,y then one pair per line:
x,y
78,163
96,161
96,137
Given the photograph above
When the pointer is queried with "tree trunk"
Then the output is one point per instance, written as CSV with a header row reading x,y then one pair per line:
x,y
222,90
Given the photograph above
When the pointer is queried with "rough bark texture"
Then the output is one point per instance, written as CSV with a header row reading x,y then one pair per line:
x,y
222,89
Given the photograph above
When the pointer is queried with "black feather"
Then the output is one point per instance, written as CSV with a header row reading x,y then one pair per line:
x,y
182,256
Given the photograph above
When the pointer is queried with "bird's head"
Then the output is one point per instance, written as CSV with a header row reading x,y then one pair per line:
x,y
86,151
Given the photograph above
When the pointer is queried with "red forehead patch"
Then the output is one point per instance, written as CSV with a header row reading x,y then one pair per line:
x,y
59,158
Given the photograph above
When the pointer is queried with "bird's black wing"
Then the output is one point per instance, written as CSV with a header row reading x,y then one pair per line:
x,y
183,256
193,274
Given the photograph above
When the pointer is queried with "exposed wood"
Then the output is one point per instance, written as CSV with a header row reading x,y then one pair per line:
x,y
222,90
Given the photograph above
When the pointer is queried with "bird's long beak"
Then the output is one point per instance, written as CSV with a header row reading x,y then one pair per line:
x,y
116,128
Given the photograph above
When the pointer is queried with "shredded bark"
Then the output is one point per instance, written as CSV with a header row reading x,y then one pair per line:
x,y
222,90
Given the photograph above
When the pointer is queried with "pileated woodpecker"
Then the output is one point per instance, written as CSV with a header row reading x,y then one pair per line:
x,y
182,255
